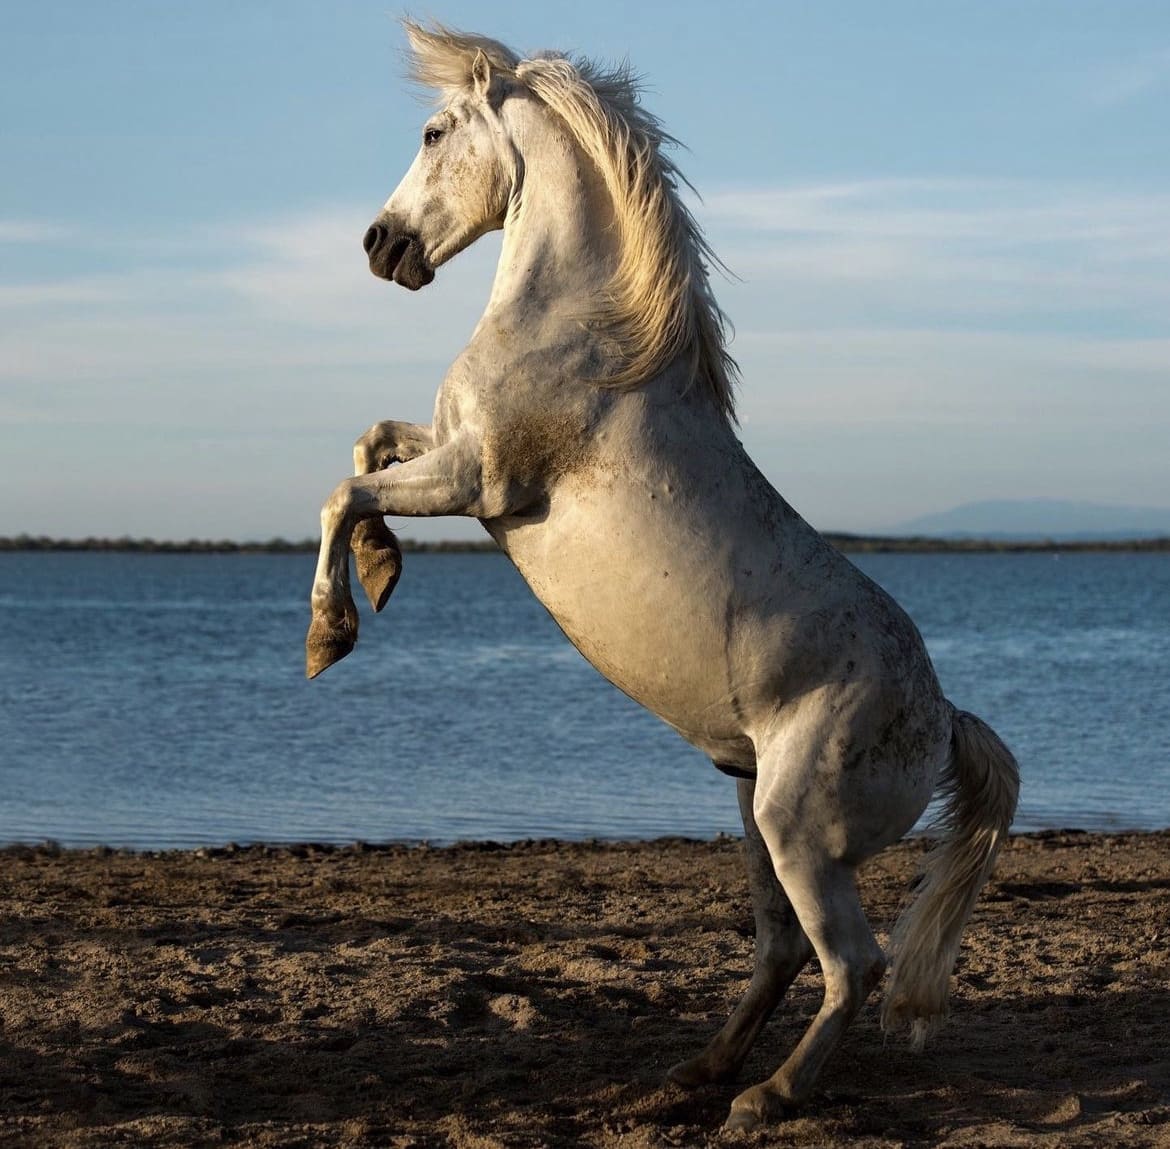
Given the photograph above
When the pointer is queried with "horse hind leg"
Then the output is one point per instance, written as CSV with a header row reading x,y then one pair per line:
x,y
823,893
782,950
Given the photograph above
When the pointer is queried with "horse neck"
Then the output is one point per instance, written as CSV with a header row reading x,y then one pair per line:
x,y
559,247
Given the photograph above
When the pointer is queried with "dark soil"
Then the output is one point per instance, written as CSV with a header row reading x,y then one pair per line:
x,y
535,994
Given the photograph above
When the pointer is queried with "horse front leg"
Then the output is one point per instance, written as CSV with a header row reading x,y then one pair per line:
x,y
444,481
377,555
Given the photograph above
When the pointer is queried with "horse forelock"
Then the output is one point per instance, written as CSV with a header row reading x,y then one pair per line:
x,y
660,306
442,58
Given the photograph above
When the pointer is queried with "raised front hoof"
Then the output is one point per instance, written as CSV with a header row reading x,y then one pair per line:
x,y
755,1108
696,1073
325,645
378,571
378,559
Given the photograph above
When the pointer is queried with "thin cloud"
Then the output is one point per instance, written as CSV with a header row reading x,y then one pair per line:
x,y
967,249
60,293
1133,80
999,211
30,231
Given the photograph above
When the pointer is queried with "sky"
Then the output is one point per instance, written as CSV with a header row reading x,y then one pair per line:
x,y
949,225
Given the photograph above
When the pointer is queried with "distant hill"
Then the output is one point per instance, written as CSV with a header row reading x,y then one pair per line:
x,y
1056,519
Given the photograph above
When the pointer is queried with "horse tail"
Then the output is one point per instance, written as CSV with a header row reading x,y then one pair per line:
x,y
979,785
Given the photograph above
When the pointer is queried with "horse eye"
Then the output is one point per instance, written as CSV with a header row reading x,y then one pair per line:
x,y
432,136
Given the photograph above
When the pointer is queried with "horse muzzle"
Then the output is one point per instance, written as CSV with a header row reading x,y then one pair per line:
x,y
398,255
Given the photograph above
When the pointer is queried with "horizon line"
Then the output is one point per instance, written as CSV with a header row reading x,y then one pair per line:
x,y
848,541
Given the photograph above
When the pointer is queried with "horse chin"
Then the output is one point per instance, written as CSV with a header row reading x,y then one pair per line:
x,y
402,260
412,270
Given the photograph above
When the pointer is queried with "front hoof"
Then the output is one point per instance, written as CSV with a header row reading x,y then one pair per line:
x,y
326,644
378,571
378,559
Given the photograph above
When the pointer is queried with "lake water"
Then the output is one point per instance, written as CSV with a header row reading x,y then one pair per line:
x,y
159,701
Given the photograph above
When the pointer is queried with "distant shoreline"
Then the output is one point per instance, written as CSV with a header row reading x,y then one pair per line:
x,y
849,543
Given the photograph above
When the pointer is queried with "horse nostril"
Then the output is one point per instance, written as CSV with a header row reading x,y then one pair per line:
x,y
373,237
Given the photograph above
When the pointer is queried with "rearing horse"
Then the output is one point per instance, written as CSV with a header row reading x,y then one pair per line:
x,y
588,425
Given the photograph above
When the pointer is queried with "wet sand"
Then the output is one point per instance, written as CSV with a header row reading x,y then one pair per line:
x,y
535,994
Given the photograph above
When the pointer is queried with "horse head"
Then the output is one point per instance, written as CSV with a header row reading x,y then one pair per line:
x,y
460,183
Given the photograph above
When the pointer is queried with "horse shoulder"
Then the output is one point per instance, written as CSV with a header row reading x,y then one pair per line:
x,y
526,406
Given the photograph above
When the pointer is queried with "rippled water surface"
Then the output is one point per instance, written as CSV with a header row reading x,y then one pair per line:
x,y
159,700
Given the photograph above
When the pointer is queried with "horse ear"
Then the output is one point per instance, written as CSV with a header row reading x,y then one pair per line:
x,y
481,75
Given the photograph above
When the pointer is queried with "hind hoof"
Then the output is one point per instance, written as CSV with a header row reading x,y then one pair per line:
x,y
695,1073
757,1106
325,645
743,1121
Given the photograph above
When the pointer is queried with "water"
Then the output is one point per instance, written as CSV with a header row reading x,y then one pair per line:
x,y
158,701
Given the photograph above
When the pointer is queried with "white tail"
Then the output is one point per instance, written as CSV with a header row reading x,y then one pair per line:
x,y
980,784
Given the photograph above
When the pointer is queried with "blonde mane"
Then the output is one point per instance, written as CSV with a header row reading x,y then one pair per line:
x,y
660,304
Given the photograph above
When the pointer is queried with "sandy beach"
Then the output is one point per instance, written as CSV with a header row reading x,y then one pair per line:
x,y
533,995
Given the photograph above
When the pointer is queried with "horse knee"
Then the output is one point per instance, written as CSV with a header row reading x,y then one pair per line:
x,y
337,507
361,458
363,451
374,450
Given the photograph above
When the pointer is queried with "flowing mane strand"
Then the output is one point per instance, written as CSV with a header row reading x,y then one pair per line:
x,y
660,304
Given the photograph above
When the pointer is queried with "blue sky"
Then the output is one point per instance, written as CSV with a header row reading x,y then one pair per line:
x,y
951,224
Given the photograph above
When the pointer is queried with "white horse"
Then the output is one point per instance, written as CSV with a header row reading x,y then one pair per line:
x,y
588,425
